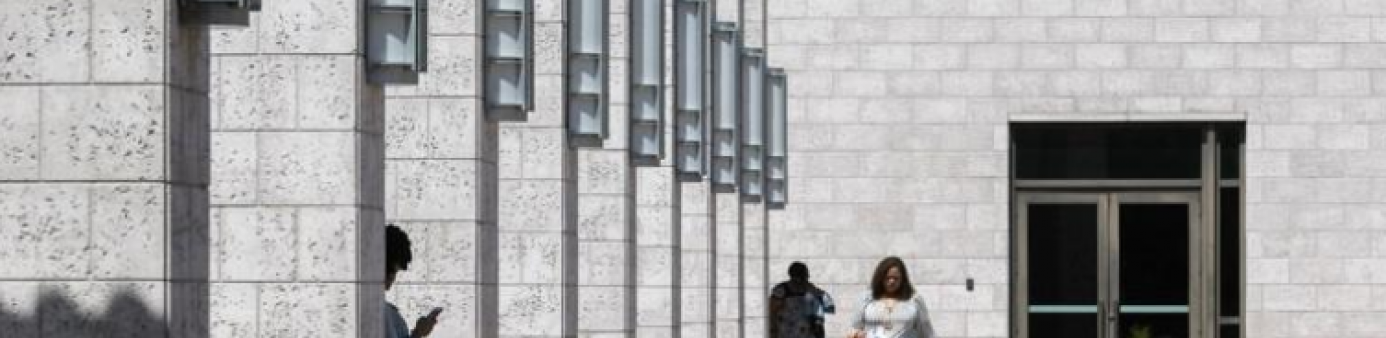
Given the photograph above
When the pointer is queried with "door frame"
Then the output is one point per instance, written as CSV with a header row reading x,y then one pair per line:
x,y
1108,204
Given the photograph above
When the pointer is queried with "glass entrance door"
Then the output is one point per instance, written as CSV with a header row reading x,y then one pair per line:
x,y
1153,265
1106,264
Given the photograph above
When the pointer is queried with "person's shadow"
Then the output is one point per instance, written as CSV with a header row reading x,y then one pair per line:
x,y
57,315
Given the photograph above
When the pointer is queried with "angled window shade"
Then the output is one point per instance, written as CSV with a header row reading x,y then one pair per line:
x,y
777,125
202,5
753,97
587,97
691,117
646,80
752,183
752,127
396,40
726,101
776,194
777,139
509,69
218,12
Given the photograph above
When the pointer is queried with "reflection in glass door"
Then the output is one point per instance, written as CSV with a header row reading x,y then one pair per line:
x,y
1061,258
1107,264
1153,265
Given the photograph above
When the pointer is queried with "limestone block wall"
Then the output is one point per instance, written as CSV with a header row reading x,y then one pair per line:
x,y
606,204
163,175
899,113
297,175
696,284
727,261
754,284
658,253
440,179
103,168
726,225
537,220
697,262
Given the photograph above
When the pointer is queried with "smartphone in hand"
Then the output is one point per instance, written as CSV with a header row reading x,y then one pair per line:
x,y
434,314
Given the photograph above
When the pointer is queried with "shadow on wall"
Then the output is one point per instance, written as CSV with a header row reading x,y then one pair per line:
x,y
125,314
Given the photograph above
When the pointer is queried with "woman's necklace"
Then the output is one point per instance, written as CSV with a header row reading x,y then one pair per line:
x,y
890,310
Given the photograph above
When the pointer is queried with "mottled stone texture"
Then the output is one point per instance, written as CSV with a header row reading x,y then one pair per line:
x,y
657,252
440,183
537,218
898,139
297,187
103,209
696,285
606,207
727,264
754,287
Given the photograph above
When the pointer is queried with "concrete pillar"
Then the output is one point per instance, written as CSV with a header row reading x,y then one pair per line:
x,y
537,223
756,281
441,179
657,215
606,205
696,259
297,175
658,252
727,258
103,170
755,284
753,19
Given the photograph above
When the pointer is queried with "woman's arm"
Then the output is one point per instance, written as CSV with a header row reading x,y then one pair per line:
x,y
923,325
858,323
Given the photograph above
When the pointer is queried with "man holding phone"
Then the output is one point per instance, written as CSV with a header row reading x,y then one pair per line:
x,y
397,257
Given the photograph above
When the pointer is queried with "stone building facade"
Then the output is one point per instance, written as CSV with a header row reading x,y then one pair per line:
x,y
175,176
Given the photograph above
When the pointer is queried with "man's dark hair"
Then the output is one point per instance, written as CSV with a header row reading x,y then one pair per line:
x,y
397,251
878,288
798,270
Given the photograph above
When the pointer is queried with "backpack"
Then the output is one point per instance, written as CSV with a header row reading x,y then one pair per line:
x,y
814,304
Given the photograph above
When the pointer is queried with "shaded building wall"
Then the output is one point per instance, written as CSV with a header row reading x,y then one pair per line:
x,y
297,174
899,113
538,242
440,178
103,170
269,164
606,203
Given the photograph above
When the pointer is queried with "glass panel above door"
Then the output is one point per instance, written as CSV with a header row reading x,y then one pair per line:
x,y
1099,151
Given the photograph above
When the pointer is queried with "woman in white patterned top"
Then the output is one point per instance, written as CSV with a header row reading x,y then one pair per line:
x,y
893,309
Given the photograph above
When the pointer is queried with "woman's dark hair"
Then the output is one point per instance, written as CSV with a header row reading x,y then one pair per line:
x,y
878,279
397,251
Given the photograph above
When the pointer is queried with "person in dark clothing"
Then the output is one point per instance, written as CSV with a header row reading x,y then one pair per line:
x,y
398,254
797,307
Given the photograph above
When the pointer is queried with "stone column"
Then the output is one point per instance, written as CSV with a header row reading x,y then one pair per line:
x,y
695,259
606,203
754,28
727,264
297,175
441,178
537,225
755,284
658,252
103,170
657,216
727,228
